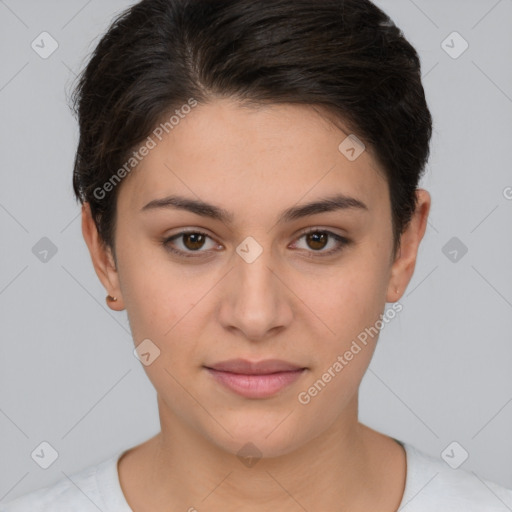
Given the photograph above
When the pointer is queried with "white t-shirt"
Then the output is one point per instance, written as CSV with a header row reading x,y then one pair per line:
x,y
431,486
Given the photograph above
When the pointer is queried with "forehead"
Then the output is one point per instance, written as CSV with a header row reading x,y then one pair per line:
x,y
236,155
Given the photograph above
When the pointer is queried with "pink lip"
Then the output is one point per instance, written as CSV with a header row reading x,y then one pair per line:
x,y
255,380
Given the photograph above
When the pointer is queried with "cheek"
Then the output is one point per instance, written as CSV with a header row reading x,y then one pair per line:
x,y
162,312
352,309
347,300
169,307
149,291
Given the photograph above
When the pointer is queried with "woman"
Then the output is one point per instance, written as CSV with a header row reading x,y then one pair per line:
x,y
248,173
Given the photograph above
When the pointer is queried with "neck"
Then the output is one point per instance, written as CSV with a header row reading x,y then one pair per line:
x,y
339,470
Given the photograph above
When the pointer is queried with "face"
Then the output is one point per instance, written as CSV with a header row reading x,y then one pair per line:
x,y
268,280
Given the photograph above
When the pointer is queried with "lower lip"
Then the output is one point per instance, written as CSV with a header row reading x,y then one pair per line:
x,y
256,386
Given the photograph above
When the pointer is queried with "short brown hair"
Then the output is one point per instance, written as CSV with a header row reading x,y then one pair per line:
x,y
346,56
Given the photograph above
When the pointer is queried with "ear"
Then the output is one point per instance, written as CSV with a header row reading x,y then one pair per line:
x,y
102,258
404,263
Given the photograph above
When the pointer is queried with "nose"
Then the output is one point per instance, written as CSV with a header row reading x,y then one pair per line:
x,y
256,303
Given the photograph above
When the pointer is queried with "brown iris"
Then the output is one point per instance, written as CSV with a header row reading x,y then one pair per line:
x,y
196,240
317,238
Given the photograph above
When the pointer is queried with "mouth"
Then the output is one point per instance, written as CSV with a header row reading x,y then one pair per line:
x,y
261,379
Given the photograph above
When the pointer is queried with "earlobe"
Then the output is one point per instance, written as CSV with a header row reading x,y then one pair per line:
x,y
102,259
403,267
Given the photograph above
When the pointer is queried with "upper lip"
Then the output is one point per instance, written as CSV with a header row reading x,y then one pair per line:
x,y
243,366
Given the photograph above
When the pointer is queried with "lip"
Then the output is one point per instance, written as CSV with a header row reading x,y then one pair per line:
x,y
246,367
260,379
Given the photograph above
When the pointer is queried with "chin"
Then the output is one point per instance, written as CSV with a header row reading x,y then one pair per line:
x,y
252,436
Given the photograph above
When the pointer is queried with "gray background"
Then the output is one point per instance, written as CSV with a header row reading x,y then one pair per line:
x,y
442,369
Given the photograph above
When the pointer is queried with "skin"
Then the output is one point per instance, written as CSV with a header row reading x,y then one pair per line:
x,y
255,163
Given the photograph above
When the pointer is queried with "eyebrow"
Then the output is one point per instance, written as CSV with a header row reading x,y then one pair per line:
x,y
327,204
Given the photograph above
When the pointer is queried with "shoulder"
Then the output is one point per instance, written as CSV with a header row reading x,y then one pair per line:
x,y
89,490
432,484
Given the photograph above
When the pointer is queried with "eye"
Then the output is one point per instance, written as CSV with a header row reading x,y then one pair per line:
x,y
318,239
192,241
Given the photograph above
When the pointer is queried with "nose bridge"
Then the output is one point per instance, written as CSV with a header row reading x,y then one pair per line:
x,y
256,301
256,281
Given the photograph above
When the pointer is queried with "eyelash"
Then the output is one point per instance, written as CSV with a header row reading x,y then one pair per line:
x,y
342,241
